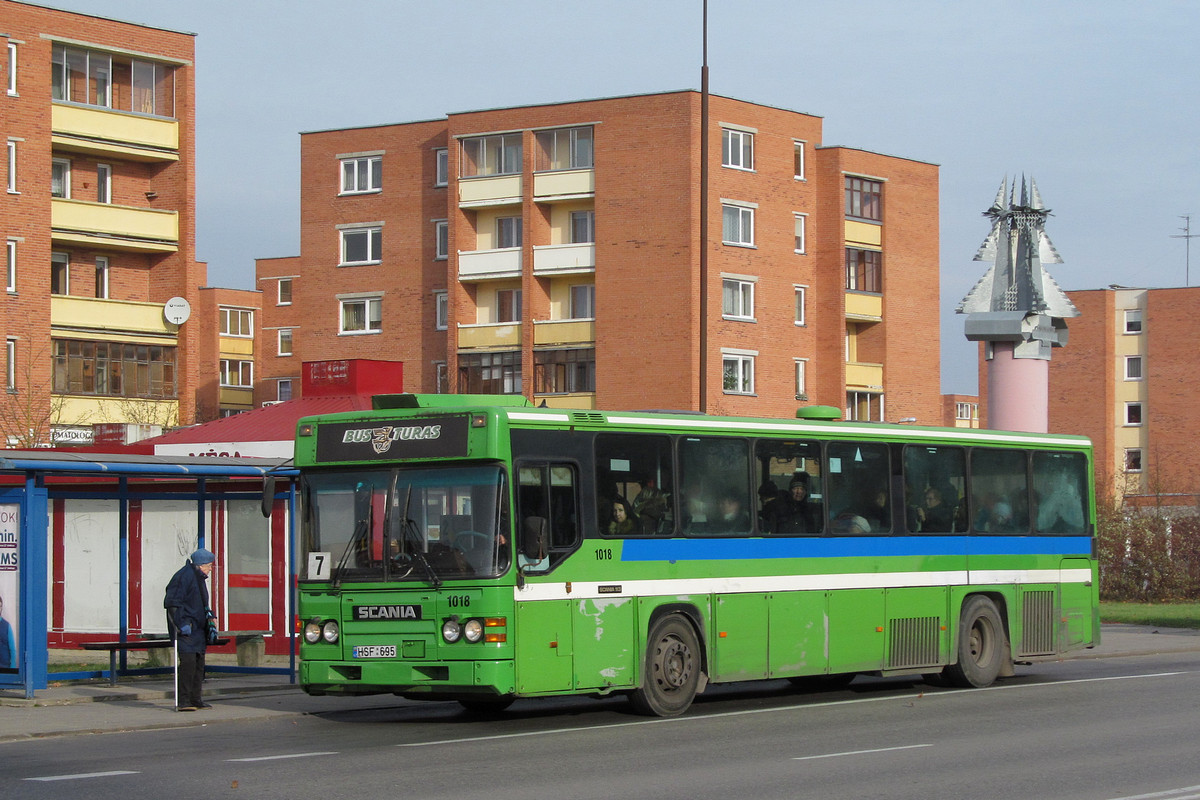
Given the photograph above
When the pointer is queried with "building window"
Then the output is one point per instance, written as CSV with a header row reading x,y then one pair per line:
x,y
966,411
60,177
112,81
10,265
102,273
1133,320
60,273
1133,368
737,224
361,246
737,298
237,322
737,149
864,272
11,178
361,315
801,301
508,232
441,310
801,240
1133,413
12,69
801,378
798,159
103,183
237,374
285,341
1133,460
583,227
564,148
440,377
564,371
508,305
441,239
114,369
864,198
360,175
583,301
284,296
10,365
737,369
490,373
864,407
499,154
441,167
283,390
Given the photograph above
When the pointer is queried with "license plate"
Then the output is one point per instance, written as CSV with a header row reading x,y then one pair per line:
x,y
375,651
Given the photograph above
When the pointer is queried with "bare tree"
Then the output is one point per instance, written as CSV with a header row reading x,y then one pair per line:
x,y
30,408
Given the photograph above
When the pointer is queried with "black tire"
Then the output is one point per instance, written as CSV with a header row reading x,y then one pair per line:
x,y
483,706
822,683
671,669
981,645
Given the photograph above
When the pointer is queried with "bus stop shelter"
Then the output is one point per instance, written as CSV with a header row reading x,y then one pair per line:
x,y
88,540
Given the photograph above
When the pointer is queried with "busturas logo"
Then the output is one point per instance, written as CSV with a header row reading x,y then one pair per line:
x,y
381,438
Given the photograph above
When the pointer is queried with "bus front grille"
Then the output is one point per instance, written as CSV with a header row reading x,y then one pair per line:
x,y
913,643
1037,623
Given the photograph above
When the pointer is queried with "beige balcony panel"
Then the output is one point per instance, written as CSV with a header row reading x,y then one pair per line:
x,y
564,259
91,314
864,307
113,133
490,336
860,375
567,184
80,410
494,191
570,331
230,396
481,265
864,233
112,226
584,401
236,346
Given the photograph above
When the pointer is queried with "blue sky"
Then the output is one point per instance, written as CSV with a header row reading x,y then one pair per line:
x,y
1099,101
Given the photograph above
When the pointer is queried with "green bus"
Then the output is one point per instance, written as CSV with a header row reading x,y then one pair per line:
x,y
478,549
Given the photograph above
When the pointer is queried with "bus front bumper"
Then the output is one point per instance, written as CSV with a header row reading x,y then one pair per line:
x,y
407,677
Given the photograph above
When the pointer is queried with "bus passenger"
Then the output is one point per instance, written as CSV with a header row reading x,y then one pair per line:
x,y
935,516
793,512
733,518
849,522
650,506
622,523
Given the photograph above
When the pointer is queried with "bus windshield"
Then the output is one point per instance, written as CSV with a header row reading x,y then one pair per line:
x,y
404,524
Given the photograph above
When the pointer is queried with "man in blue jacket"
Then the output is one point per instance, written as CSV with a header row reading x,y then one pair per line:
x,y
192,625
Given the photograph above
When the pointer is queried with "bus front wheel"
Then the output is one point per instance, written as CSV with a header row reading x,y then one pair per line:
x,y
671,670
980,645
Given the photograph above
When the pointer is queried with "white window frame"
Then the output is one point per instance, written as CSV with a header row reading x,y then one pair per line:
x,y
374,236
65,164
11,177
103,272
12,69
368,302
441,310
588,290
284,342
441,239
279,301
1141,368
244,370
801,233
237,323
798,159
1129,406
280,395
361,174
64,259
440,376
737,148
497,154
1133,321
10,265
801,378
743,361
1135,452
966,411
744,220
801,305
10,365
742,290
104,183
588,219
441,166
516,225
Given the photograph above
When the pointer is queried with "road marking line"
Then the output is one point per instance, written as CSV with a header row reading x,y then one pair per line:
x,y
83,775
1174,794
286,755
861,752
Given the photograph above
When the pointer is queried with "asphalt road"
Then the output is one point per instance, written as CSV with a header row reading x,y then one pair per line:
x,y
1096,729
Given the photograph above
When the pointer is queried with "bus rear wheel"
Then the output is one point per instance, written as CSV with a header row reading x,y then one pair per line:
x,y
671,670
980,645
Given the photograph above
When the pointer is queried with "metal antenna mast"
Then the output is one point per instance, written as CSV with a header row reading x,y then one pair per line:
x,y
1187,237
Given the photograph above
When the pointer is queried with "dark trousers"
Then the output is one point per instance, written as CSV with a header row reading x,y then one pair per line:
x,y
191,679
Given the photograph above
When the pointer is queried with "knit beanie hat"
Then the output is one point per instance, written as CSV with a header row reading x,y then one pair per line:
x,y
203,556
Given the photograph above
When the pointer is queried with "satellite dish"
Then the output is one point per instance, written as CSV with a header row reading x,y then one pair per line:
x,y
177,310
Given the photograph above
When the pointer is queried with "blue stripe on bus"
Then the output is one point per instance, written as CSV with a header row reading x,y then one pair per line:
x,y
798,547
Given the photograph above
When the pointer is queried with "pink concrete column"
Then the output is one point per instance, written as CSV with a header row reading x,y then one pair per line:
x,y
1018,391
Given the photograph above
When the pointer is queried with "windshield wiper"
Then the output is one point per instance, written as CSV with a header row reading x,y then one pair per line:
x,y
410,533
363,503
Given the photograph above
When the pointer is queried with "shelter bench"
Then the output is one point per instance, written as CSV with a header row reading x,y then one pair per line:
x,y
133,644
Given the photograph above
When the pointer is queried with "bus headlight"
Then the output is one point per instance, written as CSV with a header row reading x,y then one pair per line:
x,y
329,631
451,631
312,631
473,630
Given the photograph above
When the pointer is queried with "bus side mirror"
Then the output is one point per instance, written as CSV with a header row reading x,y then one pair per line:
x,y
268,495
535,538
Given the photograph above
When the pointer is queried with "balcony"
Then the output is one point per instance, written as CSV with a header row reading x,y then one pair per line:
x,y
113,227
489,336
566,184
563,331
864,233
861,375
137,321
564,259
498,190
864,307
486,265
113,134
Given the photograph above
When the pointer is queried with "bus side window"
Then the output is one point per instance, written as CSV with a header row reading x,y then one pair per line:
x,y
999,490
715,475
859,473
1059,480
935,480
634,485
790,499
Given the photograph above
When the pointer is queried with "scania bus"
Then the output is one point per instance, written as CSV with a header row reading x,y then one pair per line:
x,y
479,549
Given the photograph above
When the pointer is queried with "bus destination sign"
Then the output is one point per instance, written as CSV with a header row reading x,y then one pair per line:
x,y
429,437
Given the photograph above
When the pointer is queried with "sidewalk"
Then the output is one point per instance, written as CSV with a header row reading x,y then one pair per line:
x,y
148,703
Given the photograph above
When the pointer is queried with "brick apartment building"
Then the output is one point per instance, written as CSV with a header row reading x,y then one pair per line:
x,y
554,251
97,218
1126,379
